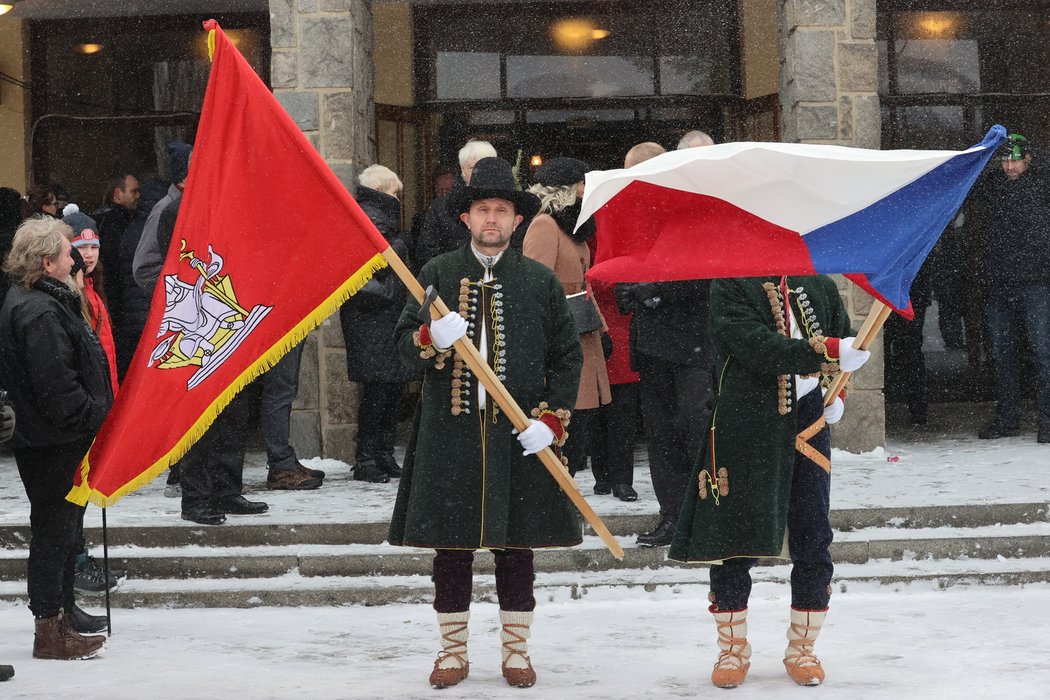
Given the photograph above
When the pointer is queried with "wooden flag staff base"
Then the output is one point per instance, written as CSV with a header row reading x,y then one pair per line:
x,y
506,402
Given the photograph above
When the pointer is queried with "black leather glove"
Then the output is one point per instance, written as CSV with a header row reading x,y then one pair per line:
x,y
625,300
607,345
7,422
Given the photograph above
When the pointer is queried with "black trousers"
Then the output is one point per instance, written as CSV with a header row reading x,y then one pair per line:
x,y
47,475
377,418
454,579
809,531
213,467
905,361
577,445
676,402
612,435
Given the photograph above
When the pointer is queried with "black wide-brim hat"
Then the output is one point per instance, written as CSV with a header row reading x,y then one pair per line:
x,y
493,178
561,172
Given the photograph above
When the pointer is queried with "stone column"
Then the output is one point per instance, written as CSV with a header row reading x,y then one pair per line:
x,y
322,72
829,94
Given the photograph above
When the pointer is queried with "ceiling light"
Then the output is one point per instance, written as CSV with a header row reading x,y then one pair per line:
x,y
88,49
577,34
536,161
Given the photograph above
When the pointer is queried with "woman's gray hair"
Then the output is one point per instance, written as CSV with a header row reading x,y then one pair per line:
x,y
554,199
474,151
35,240
382,178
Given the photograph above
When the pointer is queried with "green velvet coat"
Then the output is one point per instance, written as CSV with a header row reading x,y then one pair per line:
x,y
466,484
749,437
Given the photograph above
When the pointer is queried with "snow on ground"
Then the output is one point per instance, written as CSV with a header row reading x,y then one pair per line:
x,y
960,643
882,642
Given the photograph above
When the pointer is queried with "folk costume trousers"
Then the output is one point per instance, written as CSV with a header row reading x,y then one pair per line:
x,y
454,579
47,475
809,531
612,434
676,403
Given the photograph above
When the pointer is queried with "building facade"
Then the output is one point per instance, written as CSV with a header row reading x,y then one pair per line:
x,y
406,83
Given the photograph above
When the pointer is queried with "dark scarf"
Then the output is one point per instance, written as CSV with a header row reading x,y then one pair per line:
x,y
567,218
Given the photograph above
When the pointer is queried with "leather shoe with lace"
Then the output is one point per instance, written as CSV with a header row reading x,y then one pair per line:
x,y
85,622
660,536
295,479
602,488
625,492
239,505
369,470
203,515
389,466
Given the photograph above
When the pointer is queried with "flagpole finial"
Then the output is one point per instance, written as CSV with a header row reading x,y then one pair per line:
x,y
211,25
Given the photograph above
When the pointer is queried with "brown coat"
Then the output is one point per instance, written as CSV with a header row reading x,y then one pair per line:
x,y
545,242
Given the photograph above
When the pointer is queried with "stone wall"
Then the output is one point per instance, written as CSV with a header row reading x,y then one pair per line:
x,y
829,94
322,72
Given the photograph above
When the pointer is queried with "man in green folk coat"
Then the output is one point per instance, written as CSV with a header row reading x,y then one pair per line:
x,y
467,482
778,343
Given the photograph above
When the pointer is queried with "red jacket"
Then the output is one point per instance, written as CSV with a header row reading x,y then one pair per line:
x,y
103,328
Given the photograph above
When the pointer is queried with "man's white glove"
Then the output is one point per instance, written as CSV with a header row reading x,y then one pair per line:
x,y
833,413
447,330
535,437
850,359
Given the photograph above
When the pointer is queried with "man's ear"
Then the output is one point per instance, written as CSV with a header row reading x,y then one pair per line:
x,y
465,218
517,220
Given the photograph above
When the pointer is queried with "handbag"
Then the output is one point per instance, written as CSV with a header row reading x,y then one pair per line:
x,y
584,313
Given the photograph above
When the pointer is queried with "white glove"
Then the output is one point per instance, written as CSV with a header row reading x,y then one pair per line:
x,y
850,359
447,330
535,437
833,413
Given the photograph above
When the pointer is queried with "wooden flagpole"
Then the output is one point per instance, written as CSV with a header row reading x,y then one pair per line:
x,y
869,330
518,419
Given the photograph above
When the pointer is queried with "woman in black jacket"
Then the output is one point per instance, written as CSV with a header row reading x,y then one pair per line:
x,y
52,366
368,319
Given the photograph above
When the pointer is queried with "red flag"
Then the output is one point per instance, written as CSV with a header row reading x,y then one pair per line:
x,y
268,244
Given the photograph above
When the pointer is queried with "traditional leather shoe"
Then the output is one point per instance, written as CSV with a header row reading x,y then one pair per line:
x,y
660,536
389,465
86,623
239,505
291,480
369,470
625,492
204,515
602,488
996,430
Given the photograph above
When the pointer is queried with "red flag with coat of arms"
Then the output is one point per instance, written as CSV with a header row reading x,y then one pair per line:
x,y
268,243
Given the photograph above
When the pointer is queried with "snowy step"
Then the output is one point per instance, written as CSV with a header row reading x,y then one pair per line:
x,y
173,532
312,560
294,589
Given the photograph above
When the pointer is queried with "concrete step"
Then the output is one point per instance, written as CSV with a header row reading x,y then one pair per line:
x,y
856,547
179,533
294,589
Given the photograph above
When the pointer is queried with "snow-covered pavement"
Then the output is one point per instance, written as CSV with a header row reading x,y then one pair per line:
x,y
879,644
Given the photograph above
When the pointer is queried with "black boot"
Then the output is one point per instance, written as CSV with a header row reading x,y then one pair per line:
x,y
85,622
389,465
203,514
6,672
660,536
368,469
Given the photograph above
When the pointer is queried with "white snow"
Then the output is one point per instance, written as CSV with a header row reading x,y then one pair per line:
x,y
622,639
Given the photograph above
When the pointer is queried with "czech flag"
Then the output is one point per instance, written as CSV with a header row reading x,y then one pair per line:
x,y
268,244
757,209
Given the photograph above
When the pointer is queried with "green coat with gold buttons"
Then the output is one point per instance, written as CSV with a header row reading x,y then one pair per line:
x,y
465,483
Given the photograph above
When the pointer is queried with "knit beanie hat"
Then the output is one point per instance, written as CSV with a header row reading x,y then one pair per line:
x,y
179,160
85,230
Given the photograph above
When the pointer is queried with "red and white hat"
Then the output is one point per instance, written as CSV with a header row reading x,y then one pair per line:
x,y
85,230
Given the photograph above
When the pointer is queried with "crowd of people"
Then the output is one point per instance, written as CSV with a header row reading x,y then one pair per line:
x,y
591,365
